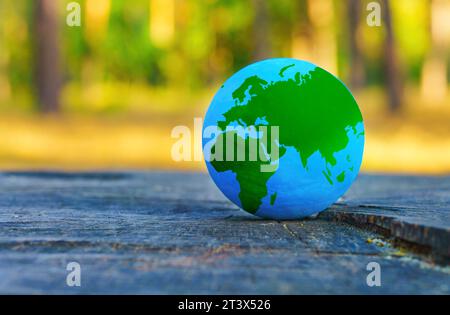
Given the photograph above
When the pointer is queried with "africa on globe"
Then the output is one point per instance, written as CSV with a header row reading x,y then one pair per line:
x,y
283,139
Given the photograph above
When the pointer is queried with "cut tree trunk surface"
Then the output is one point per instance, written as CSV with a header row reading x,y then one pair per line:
x,y
167,232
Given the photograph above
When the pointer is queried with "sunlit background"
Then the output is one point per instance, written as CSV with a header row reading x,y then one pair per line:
x,y
108,93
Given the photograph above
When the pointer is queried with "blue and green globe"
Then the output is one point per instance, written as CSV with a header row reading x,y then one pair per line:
x,y
283,139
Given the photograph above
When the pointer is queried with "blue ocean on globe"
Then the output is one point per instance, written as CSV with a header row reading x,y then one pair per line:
x,y
320,143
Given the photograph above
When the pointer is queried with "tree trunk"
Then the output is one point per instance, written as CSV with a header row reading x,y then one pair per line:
x,y
434,82
302,36
391,66
304,28
261,30
48,76
322,16
357,72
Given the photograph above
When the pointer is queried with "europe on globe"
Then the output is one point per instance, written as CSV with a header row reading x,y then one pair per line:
x,y
283,139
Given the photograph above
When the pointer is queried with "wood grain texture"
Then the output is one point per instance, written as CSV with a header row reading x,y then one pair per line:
x,y
415,209
166,232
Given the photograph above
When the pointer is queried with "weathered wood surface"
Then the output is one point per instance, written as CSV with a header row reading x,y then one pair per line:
x,y
158,232
415,209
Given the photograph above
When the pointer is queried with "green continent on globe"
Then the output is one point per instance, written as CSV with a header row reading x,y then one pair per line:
x,y
251,180
313,112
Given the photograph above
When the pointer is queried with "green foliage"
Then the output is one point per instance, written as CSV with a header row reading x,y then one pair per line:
x,y
211,40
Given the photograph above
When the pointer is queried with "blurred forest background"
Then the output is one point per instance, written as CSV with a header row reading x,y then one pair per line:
x,y
107,94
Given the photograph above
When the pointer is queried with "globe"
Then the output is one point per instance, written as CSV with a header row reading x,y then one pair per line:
x,y
283,139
